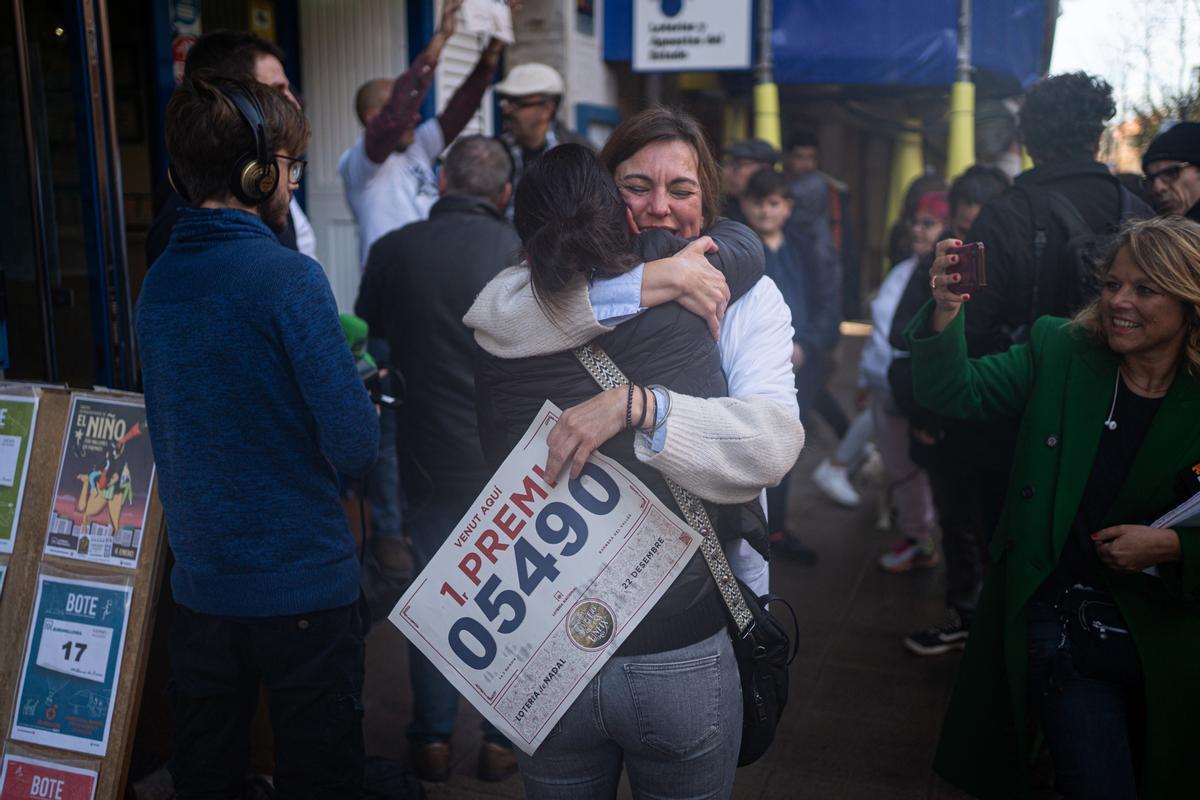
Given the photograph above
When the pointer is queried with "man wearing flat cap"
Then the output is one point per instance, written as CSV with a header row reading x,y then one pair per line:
x,y
529,99
742,160
1172,174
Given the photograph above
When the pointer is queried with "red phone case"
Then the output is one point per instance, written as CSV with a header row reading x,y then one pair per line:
x,y
972,266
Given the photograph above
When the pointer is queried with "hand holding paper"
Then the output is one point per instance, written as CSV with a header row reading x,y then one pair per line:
x,y
491,17
1134,548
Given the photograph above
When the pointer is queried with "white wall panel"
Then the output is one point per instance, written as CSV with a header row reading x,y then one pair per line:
x,y
589,79
458,60
343,45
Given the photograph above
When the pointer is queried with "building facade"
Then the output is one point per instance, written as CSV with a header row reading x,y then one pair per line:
x,y
84,86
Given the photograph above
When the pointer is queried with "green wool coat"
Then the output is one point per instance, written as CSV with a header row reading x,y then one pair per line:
x,y
1060,385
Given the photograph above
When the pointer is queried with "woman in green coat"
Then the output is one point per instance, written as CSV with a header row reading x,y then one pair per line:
x,y
1088,630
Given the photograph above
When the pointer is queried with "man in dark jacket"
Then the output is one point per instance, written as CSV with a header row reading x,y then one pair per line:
x,y
418,284
1061,123
1172,172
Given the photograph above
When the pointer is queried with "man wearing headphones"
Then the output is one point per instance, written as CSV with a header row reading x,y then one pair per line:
x,y
255,406
242,56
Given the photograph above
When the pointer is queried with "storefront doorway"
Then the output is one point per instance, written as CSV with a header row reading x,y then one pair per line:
x,y
65,278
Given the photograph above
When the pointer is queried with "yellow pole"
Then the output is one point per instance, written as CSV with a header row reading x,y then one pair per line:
x,y
960,150
908,164
766,113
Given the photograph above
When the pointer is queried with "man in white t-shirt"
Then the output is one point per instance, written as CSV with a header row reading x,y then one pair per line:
x,y
388,173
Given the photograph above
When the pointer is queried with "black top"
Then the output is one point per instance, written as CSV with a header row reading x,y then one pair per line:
x,y
1078,562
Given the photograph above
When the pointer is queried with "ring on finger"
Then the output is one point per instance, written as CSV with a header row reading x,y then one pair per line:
x,y
933,282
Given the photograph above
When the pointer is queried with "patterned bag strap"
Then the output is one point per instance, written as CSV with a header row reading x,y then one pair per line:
x,y
606,373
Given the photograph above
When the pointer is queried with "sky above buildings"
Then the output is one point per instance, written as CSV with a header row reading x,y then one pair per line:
x,y
1142,47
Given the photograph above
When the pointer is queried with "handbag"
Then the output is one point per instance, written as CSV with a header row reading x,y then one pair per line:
x,y
1101,646
760,644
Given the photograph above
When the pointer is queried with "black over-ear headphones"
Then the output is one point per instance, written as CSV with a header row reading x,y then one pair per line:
x,y
255,174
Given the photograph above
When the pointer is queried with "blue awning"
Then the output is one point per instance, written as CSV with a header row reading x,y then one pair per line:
x,y
906,43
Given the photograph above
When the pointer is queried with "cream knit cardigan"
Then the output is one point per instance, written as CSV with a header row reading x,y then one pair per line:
x,y
722,449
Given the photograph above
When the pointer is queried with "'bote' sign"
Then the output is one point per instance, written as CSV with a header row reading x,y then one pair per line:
x,y
539,584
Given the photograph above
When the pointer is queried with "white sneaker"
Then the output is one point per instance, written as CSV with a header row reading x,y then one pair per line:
x,y
834,483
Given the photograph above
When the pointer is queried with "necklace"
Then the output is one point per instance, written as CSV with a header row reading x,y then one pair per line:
x,y
1145,388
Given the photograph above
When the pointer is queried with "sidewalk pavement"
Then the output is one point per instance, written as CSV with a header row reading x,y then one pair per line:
x,y
864,714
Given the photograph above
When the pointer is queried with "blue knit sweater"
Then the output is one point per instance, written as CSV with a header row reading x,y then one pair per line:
x,y
253,404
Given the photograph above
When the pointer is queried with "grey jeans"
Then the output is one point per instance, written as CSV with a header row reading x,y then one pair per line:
x,y
673,719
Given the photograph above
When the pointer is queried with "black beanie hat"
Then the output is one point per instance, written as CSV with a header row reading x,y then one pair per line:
x,y
1181,142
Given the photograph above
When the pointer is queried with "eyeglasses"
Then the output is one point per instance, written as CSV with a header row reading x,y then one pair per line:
x,y
1168,174
522,102
296,167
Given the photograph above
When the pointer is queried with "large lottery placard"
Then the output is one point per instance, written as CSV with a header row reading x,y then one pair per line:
x,y
71,664
25,778
105,474
540,583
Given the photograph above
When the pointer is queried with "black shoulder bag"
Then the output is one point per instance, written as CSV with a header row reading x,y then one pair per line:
x,y
760,643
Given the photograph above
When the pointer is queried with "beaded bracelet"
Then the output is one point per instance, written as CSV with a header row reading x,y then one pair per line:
x,y
629,407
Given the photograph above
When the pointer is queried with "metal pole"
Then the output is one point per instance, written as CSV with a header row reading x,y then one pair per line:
x,y
960,149
127,373
764,70
36,209
766,93
962,67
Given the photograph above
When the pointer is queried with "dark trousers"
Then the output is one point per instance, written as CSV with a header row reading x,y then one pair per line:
x,y
828,408
956,495
1087,721
810,381
435,700
312,669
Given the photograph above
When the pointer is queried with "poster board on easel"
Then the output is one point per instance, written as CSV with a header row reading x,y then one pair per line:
x,y
80,587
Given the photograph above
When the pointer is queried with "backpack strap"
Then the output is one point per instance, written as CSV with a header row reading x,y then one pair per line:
x,y
1048,207
1040,214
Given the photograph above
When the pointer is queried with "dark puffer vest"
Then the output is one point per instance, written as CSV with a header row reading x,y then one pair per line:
x,y
665,345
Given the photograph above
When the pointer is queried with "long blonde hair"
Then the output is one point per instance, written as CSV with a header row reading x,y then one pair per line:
x,y
1167,249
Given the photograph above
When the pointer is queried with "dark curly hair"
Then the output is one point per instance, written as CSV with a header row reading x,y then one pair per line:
x,y
1064,115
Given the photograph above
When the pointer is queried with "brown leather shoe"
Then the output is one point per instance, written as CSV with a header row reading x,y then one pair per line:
x,y
496,762
432,761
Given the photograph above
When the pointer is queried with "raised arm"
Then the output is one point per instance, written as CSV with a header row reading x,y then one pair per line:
x,y
402,112
467,97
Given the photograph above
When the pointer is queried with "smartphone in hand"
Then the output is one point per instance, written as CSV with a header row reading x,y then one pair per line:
x,y
972,266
